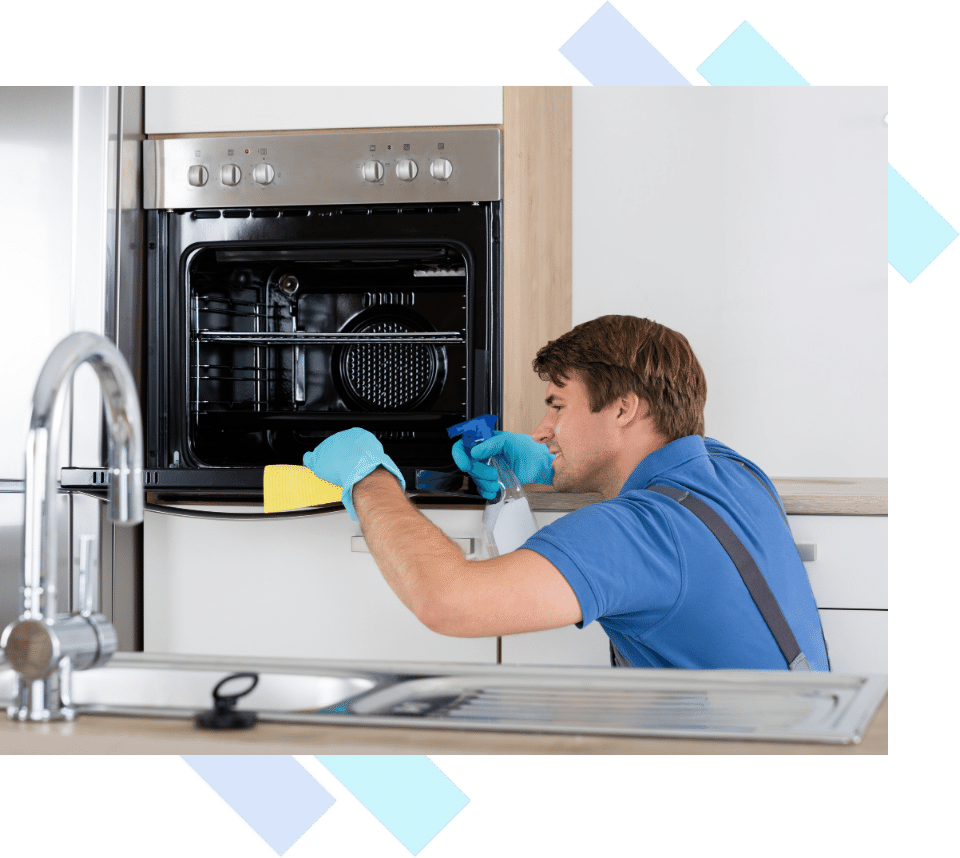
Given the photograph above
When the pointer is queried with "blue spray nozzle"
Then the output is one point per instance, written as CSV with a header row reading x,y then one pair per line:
x,y
475,430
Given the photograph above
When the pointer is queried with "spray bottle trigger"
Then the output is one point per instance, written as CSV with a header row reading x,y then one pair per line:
x,y
475,430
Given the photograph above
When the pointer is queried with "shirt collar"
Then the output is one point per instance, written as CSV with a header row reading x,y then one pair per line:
x,y
665,459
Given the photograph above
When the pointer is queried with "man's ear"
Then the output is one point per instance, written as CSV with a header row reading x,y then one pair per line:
x,y
631,407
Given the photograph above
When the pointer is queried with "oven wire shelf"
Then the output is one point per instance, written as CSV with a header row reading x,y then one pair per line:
x,y
304,338
263,371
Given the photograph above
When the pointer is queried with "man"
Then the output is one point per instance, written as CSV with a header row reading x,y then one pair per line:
x,y
625,406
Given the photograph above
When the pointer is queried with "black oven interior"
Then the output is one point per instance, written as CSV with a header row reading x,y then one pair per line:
x,y
269,330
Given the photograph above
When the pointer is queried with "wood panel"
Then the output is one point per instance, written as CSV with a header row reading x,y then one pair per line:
x,y
800,496
833,495
537,240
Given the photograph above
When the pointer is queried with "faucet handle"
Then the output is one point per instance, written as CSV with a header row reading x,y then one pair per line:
x,y
35,647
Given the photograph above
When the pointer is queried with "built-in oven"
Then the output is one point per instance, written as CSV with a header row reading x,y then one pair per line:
x,y
301,284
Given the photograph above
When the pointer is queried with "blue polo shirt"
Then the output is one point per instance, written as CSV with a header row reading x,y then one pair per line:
x,y
658,580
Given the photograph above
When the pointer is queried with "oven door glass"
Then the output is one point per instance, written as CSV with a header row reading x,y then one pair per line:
x,y
286,346
270,330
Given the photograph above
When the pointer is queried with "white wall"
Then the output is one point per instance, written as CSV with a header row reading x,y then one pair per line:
x,y
754,221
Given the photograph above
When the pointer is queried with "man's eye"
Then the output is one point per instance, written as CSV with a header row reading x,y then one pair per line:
x,y
556,407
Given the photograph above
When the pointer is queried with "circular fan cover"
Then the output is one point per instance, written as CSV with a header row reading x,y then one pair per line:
x,y
388,376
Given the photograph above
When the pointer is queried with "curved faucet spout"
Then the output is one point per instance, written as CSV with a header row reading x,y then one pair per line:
x,y
125,458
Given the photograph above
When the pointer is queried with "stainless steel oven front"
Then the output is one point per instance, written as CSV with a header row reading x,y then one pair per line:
x,y
300,284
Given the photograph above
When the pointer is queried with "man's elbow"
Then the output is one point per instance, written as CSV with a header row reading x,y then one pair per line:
x,y
443,615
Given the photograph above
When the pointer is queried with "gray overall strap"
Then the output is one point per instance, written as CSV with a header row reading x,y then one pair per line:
x,y
756,584
783,515
760,591
617,658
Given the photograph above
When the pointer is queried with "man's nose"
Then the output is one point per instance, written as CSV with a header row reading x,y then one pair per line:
x,y
543,432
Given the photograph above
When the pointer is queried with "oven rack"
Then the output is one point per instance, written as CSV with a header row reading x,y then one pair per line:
x,y
300,338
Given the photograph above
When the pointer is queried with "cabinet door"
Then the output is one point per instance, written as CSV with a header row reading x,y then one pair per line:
x,y
209,109
850,569
856,640
567,646
570,646
291,588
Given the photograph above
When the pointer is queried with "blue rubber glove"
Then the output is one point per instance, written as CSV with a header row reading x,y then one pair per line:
x,y
346,458
530,460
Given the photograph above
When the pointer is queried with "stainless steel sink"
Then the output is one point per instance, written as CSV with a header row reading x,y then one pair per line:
x,y
191,689
722,704
178,686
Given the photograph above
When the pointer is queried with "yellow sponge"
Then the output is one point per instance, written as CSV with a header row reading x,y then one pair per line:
x,y
294,486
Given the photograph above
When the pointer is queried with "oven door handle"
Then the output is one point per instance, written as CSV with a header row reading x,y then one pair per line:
x,y
165,509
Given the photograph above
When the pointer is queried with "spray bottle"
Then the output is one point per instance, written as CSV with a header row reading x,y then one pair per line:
x,y
507,519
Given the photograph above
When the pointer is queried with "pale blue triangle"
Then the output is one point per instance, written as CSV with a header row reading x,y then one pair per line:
x,y
916,234
745,58
608,51
411,797
276,796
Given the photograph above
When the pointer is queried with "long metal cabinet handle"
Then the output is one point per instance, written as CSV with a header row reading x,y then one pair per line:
x,y
465,544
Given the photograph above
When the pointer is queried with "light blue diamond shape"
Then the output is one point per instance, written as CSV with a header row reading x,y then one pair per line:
x,y
745,58
916,234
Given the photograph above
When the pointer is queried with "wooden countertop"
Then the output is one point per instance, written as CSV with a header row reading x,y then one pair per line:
x,y
106,734
800,495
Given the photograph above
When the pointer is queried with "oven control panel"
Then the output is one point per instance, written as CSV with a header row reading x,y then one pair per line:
x,y
443,165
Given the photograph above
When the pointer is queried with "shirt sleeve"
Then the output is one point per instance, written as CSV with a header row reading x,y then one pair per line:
x,y
619,557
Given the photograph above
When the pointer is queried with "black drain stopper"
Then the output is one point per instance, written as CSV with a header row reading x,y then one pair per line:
x,y
224,716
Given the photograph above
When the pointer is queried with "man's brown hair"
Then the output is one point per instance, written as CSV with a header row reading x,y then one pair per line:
x,y
616,355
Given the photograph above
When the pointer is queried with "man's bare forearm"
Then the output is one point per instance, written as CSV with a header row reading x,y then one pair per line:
x,y
416,558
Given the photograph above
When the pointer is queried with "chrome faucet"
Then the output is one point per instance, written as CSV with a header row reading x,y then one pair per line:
x,y
44,647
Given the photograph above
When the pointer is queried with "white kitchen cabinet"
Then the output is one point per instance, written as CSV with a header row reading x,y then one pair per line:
x,y
856,640
850,569
298,590
569,646
849,582
212,109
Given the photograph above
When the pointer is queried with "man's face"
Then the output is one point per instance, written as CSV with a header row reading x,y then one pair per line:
x,y
585,443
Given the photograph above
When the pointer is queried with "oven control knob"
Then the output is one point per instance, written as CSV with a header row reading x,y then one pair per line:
x,y
230,174
197,175
263,174
441,169
406,170
372,171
